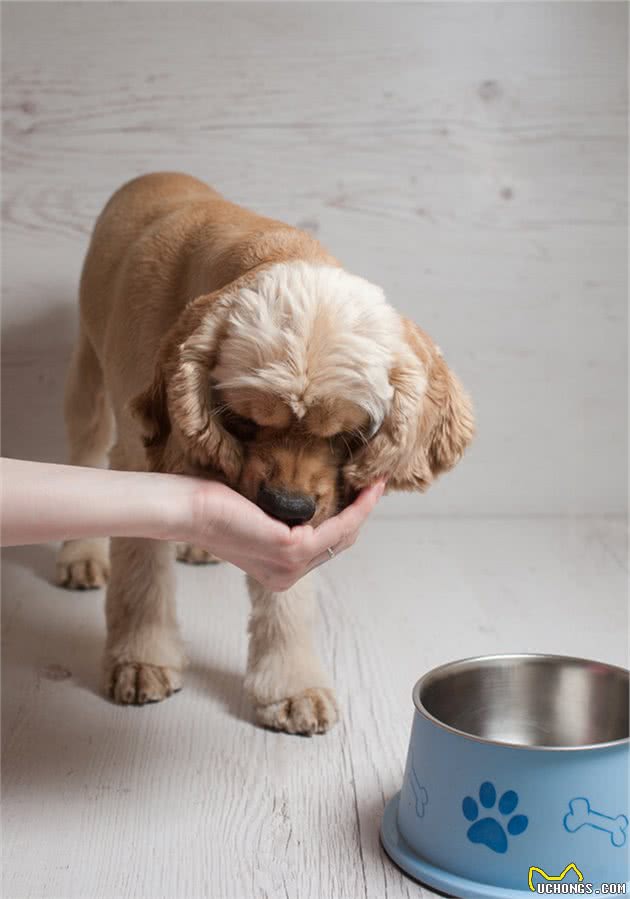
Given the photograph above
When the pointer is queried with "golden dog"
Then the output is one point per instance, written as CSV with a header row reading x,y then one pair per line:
x,y
219,343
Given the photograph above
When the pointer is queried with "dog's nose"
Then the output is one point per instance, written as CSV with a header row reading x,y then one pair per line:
x,y
291,508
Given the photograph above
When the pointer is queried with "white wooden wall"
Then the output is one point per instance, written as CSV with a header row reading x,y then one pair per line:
x,y
469,157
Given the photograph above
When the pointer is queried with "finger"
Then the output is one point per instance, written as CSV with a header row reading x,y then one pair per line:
x,y
243,522
336,530
310,543
320,560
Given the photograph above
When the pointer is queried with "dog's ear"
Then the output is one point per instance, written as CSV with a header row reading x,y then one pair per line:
x,y
451,426
428,426
179,400
151,410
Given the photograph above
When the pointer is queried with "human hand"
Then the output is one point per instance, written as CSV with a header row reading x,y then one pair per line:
x,y
236,530
42,501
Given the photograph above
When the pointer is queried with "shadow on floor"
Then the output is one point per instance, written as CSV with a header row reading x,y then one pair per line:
x,y
226,687
37,636
59,730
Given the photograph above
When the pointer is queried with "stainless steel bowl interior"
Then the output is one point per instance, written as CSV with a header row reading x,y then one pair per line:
x,y
533,701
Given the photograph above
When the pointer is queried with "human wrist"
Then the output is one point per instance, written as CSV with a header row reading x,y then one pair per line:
x,y
171,507
203,514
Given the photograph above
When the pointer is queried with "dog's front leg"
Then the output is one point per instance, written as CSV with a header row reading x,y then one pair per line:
x,y
285,679
144,655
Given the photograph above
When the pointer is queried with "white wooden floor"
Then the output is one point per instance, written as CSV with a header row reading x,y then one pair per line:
x,y
187,798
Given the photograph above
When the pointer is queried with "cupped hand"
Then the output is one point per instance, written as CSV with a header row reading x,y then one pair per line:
x,y
236,530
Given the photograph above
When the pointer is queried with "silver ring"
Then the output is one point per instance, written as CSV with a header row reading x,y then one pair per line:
x,y
331,552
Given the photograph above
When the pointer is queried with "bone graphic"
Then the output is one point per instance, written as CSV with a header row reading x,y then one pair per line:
x,y
581,814
419,792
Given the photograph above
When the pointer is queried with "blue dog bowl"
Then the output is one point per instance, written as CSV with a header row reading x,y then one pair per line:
x,y
517,775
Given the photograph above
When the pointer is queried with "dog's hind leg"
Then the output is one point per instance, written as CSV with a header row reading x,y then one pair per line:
x,y
82,564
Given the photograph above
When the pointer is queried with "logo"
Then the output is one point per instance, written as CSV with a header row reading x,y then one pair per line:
x,y
552,877
556,885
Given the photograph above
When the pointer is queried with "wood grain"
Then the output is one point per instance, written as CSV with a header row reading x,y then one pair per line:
x,y
187,798
470,158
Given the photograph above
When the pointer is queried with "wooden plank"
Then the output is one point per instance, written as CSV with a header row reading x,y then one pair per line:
x,y
187,798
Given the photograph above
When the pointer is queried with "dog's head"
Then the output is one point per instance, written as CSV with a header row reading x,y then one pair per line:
x,y
297,386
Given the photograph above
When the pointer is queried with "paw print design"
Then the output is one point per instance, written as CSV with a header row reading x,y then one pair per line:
x,y
489,830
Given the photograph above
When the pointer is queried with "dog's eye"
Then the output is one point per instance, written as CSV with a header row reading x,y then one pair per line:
x,y
348,442
238,426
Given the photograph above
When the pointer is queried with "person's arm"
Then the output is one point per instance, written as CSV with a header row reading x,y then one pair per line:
x,y
42,502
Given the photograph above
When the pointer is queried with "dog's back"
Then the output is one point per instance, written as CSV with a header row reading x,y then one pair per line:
x,y
163,239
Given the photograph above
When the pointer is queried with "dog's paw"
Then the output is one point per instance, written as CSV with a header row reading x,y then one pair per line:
x,y
83,564
313,711
134,683
194,555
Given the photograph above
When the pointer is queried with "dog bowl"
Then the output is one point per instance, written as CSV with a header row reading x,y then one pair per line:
x,y
517,774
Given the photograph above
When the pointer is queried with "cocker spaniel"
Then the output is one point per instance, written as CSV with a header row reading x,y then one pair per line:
x,y
219,343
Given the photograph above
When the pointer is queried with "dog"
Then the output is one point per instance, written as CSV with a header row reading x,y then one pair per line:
x,y
218,343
